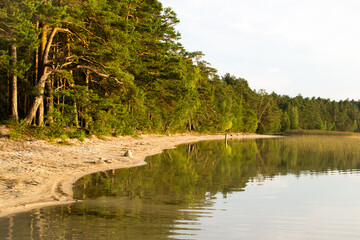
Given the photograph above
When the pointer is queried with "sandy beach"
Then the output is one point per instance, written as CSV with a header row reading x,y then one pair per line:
x,y
36,173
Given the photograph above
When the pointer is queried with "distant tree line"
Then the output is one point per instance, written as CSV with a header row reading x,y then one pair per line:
x,y
117,67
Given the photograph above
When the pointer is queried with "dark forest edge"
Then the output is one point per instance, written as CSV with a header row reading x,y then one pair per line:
x,y
320,133
71,68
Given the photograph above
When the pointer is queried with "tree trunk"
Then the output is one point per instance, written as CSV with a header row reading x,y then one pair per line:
x,y
86,124
40,85
14,104
40,119
49,100
41,69
76,112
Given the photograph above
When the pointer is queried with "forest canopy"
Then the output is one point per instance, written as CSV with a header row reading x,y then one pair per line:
x,y
117,67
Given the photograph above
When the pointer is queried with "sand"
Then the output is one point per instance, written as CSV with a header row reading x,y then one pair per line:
x,y
36,173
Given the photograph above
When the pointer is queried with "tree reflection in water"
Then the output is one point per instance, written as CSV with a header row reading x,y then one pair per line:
x,y
178,187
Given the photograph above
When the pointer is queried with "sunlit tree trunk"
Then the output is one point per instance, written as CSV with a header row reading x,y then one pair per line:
x,y
40,85
14,100
41,69
50,100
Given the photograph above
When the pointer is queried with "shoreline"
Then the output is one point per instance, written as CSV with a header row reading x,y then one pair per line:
x,y
36,173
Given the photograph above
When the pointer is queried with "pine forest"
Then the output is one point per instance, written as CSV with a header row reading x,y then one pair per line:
x,y
117,67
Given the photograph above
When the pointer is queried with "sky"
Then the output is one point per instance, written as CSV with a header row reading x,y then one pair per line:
x,y
291,47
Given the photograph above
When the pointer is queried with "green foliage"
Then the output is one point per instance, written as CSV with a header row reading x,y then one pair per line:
x,y
268,113
294,118
285,122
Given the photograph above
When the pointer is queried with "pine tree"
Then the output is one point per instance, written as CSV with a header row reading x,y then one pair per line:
x,y
16,31
294,118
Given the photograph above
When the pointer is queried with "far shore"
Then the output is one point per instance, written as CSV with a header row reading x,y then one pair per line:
x,y
36,173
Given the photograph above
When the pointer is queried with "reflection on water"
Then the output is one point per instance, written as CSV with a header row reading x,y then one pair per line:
x,y
291,188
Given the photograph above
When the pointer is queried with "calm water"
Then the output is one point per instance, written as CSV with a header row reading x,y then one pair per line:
x,y
291,188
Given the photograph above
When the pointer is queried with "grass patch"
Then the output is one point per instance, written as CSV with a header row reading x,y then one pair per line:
x,y
17,130
21,131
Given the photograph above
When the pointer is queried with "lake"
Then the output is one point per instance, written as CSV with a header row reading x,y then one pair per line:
x,y
304,187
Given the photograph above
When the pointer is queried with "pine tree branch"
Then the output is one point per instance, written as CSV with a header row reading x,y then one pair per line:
x,y
7,35
48,46
99,73
86,30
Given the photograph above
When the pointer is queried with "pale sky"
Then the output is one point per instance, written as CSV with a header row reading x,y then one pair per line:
x,y
291,47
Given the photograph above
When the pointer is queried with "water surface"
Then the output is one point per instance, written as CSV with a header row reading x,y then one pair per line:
x,y
290,188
